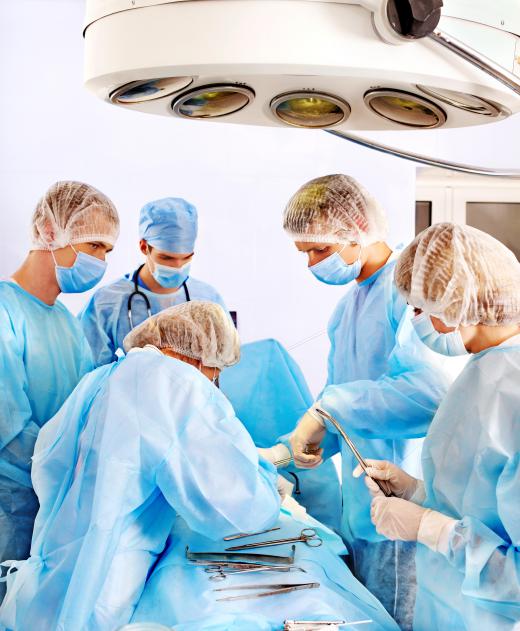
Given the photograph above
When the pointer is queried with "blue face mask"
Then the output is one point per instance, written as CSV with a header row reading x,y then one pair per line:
x,y
86,272
449,344
171,277
334,271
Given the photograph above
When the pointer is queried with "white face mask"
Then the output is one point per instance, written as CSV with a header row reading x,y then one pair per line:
x,y
449,344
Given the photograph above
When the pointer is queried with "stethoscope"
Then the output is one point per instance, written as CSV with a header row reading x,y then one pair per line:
x,y
138,292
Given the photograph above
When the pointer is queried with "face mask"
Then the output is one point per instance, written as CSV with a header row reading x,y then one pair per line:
x,y
170,277
86,272
449,344
334,271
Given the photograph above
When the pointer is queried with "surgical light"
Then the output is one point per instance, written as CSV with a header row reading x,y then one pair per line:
x,y
405,109
338,65
212,101
310,109
142,91
463,101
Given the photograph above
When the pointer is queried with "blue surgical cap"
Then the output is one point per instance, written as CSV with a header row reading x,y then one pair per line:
x,y
169,224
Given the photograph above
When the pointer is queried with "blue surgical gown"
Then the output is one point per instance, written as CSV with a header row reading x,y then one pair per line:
x,y
139,441
43,355
384,387
281,396
105,317
179,593
471,464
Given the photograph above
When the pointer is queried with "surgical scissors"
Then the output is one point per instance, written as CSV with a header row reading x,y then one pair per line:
x,y
308,536
272,590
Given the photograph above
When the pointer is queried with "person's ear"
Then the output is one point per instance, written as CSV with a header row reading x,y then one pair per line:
x,y
143,246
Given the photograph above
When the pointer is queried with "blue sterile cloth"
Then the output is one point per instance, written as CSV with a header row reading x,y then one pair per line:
x,y
269,394
179,593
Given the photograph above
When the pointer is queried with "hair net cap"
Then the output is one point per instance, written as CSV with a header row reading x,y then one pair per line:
x,y
73,212
335,209
461,275
169,224
197,329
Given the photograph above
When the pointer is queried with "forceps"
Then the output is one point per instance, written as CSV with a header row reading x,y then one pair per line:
x,y
271,590
221,573
308,536
380,483
304,625
242,535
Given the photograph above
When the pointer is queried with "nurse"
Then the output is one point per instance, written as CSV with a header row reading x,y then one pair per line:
x,y
465,287
383,385
43,351
168,231
139,442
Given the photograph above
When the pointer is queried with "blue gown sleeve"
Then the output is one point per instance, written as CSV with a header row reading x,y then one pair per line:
x,y
491,562
15,407
95,328
212,475
399,404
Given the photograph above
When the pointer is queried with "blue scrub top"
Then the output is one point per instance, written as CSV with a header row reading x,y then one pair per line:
x,y
105,318
43,356
384,386
471,462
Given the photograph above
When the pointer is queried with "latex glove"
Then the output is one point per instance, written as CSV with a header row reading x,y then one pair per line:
x,y
284,487
395,518
275,454
305,442
399,482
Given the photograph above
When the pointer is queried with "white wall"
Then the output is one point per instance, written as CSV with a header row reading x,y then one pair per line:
x,y
238,177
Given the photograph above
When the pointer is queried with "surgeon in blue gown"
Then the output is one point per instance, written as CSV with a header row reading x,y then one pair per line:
x,y
465,287
43,351
269,394
168,232
383,385
139,441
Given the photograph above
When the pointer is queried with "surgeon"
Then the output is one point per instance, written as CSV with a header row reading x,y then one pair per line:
x,y
167,231
383,385
43,351
465,288
139,441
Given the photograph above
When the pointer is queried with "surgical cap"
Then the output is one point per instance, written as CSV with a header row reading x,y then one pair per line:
x,y
73,212
335,209
169,224
197,329
460,275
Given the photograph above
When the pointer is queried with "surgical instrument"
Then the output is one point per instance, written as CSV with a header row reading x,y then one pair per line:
x,y
312,625
308,536
266,559
283,462
272,590
380,483
221,573
241,535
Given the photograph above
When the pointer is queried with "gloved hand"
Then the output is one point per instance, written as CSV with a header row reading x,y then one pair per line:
x,y
275,454
399,482
284,487
396,518
305,442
